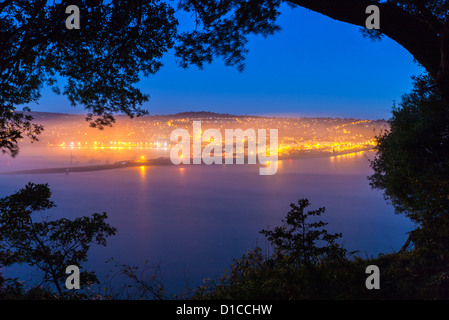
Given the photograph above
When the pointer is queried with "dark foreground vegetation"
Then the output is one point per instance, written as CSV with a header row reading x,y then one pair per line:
x,y
309,264
411,167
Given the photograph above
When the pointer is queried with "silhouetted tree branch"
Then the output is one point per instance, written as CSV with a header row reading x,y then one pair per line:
x,y
120,41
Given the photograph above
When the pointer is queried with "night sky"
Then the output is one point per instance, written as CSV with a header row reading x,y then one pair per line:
x,y
315,66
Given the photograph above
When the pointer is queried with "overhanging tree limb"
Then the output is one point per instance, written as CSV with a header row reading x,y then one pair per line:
x,y
411,31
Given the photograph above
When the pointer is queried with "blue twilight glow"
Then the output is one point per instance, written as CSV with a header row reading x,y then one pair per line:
x,y
315,66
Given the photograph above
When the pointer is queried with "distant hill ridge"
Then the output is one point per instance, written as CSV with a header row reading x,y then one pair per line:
x,y
188,114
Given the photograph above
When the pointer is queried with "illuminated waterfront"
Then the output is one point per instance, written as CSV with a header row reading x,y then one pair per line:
x,y
194,220
296,135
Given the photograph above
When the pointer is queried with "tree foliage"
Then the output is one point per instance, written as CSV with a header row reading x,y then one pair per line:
x,y
412,161
301,241
221,29
49,245
420,26
119,41
126,282
307,263
102,62
411,167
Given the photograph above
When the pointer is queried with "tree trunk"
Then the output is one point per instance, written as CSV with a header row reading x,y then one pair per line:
x,y
407,243
442,77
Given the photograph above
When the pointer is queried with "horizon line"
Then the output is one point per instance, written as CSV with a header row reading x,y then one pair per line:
x,y
265,115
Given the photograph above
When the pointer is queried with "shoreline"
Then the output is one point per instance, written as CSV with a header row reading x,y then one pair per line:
x,y
165,162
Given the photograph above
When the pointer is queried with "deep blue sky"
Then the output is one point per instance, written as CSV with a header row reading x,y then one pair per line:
x,y
315,66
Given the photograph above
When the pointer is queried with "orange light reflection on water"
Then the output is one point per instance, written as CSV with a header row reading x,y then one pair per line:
x,y
143,171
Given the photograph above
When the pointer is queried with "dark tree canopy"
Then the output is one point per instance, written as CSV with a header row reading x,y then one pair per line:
x,y
27,236
103,61
412,169
119,41
304,242
412,161
420,26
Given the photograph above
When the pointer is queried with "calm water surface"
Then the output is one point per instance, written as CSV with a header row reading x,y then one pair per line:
x,y
193,220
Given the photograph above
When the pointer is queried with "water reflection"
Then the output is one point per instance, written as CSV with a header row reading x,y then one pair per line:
x,y
142,173
194,220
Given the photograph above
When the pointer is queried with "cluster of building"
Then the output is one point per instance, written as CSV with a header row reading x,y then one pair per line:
x,y
295,135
